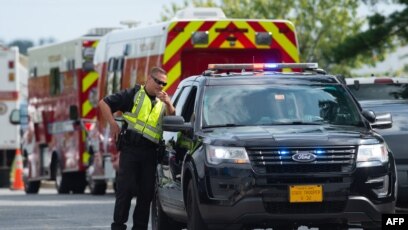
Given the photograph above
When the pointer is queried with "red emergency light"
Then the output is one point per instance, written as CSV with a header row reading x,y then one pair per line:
x,y
87,43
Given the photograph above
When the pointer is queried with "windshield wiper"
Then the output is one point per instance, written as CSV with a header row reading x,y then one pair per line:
x,y
317,122
222,125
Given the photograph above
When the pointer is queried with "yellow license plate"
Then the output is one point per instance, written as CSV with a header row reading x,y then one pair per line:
x,y
305,193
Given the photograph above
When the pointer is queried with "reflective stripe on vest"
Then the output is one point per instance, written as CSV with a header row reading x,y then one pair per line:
x,y
143,118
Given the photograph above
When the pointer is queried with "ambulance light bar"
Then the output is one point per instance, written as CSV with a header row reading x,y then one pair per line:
x,y
262,66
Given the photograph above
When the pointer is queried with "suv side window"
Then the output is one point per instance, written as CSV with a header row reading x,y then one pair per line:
x,y
185,101
188,108
179,102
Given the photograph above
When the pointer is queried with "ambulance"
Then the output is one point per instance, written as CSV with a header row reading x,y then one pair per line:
x,y
13,93
62,101
184,46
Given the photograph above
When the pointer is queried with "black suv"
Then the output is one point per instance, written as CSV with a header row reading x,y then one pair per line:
x,y
253,147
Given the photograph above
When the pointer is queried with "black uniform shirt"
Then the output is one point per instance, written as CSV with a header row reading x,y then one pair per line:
x,y
123,100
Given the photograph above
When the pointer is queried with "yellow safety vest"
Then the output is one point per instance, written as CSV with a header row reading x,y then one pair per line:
x,y
143,118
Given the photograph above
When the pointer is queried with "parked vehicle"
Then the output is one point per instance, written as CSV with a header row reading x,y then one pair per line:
x,y
388,95
253,147
62,109
13,92
183,47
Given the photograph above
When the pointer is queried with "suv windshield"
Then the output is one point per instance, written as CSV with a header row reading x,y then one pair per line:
x,y
395,91
234,105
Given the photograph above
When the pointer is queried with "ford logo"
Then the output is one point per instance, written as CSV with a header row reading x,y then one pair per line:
x,y
304,157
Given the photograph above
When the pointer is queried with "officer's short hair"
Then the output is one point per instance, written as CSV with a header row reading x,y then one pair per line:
x,y
156,70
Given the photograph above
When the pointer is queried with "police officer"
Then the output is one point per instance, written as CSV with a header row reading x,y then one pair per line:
x,y
143,107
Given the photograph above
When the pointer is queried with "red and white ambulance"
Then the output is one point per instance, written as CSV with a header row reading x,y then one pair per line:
x,y
13,93
62,92
184,46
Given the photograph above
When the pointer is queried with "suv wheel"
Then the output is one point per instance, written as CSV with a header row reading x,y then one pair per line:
x,y
160,221
193,213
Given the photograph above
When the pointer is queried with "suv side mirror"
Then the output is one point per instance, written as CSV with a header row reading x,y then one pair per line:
x,y
382,121
369,115
176,124
379,121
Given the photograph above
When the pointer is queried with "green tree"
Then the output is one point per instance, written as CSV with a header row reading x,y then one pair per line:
x,y
22,45
321,24
384,34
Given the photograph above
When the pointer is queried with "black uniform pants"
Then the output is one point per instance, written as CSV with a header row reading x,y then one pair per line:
x,y
136,178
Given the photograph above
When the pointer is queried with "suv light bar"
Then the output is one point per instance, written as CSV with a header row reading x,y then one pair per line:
x,y
262,66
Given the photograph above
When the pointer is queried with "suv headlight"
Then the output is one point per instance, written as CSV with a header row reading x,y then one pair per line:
x,y
369,153
220,154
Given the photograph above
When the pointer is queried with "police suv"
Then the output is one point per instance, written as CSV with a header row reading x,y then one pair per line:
x,y
258,145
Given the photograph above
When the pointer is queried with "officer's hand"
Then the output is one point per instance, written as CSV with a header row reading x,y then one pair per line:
x,y
115,130
164,97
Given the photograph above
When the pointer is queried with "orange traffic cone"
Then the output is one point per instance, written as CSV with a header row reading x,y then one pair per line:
x,y
18,183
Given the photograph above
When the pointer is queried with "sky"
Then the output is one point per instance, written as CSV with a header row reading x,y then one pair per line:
x,y
68,19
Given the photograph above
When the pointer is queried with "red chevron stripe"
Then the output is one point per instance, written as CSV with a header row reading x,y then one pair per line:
x,y
285,56
284,29
172,89
245,41
172,34
91,114
256,26
217,42
176,57
206,26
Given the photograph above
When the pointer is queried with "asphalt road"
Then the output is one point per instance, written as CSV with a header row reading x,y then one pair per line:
x,y
49,210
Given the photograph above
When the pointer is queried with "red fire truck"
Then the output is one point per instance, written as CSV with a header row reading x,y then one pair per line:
x,y
62,92
183,46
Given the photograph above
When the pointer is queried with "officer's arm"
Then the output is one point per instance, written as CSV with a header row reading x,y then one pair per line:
x,y
170,110
107,114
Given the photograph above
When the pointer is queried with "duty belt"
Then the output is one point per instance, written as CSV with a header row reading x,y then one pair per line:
x,y
133,138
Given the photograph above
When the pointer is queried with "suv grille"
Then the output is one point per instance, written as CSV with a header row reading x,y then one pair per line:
x,y
278,160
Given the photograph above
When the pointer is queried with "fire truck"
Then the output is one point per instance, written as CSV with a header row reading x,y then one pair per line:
x,y
13,92
62,109
183,46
